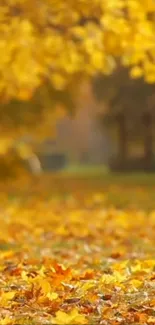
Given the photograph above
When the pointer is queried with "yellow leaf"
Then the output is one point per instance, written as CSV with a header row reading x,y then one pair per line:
x,y
98,60
136,283
5,321
136,268
136,72
52,296
45,286
150,78
42,270
88,285
6,296
116,277
24,276
72,318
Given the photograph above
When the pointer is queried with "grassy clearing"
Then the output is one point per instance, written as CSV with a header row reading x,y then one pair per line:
x,y
134,190
131,190
103,174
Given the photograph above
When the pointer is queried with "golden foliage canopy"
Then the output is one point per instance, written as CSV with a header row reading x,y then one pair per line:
x,y
56,43
57,39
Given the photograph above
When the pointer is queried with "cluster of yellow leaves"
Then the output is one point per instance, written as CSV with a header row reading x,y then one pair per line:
x,y
57,40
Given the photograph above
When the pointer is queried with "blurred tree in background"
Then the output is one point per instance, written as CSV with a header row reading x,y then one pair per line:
x,y
59,43
129,110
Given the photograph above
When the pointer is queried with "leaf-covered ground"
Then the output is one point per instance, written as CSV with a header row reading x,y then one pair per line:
x,y
77,252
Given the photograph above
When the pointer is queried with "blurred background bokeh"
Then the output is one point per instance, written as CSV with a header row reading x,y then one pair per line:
x,y
77,86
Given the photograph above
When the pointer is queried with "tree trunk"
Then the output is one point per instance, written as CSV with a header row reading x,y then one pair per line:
x,y
122,137
148,139
35,165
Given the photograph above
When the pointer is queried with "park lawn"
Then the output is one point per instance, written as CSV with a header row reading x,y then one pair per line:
x,y
78,249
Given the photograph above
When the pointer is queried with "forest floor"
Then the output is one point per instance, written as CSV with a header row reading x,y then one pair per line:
x,y
78,250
